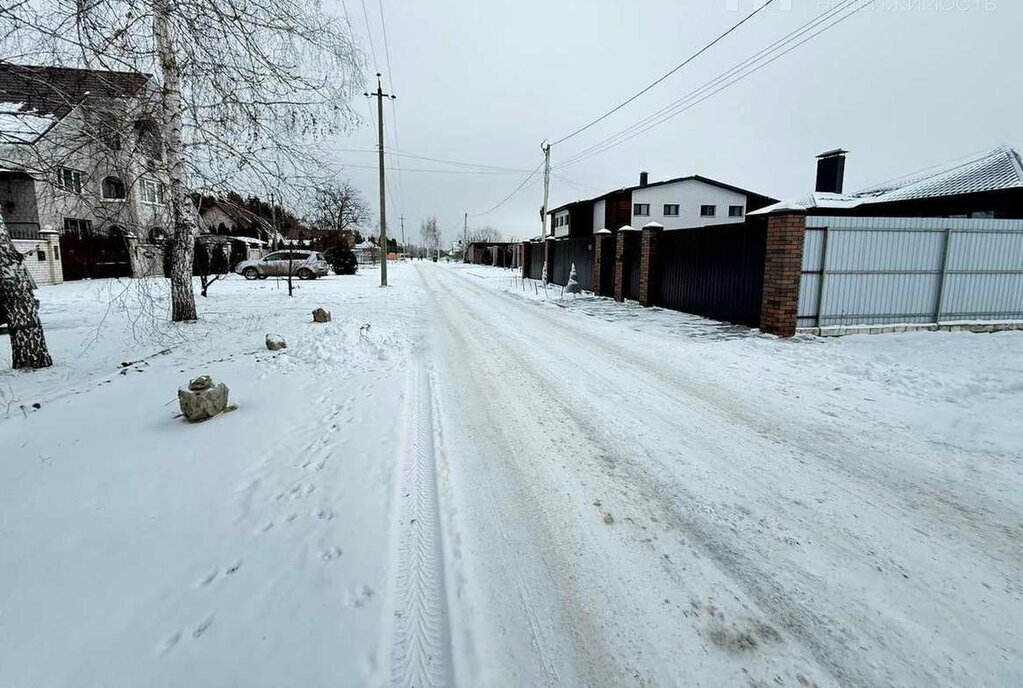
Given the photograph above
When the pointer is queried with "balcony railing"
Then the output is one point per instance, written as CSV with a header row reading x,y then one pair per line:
x,y
23,230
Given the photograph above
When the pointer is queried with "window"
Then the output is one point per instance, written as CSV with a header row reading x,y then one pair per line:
x,y
156,235
708,210
641,209
113,189
76,227
109,136
150,142
69,179
671,209
41,255
736,210
276,256
152,192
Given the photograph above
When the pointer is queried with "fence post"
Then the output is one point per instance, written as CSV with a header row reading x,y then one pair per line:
x,y
602,250
52,239
823,277
619,288
649,275
941,278
548,259
783,271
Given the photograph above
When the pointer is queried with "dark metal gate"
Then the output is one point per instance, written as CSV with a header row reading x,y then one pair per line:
x,y
631,264
85,255
578,252
535,267
716,272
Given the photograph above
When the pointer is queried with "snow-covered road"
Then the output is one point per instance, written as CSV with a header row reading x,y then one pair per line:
x,y
466,481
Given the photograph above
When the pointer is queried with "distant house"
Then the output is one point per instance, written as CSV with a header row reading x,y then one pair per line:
x,y
83,185
680,203
220,216
367,252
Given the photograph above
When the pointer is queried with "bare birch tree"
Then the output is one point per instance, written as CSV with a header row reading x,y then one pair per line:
x,y
18,307
242,85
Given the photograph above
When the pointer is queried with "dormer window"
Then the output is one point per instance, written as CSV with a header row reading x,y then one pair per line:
x,y
113,189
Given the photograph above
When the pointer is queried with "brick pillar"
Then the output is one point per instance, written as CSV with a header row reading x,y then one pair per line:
x,y
548,259
649,275
619,290
525,259
783,269
53,257
602,250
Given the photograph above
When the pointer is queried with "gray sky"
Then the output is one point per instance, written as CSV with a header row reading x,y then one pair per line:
x,y
904,84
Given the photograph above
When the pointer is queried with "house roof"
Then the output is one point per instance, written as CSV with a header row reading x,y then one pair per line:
x,y
34,98
241,215
994,170
676,180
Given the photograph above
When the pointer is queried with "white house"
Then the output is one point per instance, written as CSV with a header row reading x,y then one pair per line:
x,y
680,203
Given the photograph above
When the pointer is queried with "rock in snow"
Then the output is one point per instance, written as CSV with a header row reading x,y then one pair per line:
x,y
202,399
275,342
321,315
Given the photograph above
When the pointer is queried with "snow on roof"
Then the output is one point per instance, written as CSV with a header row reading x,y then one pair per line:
x,y
992,171
21,124
366,244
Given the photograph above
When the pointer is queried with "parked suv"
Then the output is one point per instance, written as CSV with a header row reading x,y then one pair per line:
x,y
304,265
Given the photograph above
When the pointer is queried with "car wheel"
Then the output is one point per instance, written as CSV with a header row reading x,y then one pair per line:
x,y
305,274
250,273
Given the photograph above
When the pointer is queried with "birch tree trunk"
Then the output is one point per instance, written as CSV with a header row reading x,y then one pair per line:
x,y
183,255
28,344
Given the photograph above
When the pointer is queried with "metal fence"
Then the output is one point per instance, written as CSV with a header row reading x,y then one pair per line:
x,y
716,272
632,247
578,252
884,271
23,230
535,268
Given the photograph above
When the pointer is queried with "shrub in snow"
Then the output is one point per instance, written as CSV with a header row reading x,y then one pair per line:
x,y
321,315
573,283
275,342
202,399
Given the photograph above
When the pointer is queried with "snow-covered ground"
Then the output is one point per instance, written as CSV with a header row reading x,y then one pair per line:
x,y
492,485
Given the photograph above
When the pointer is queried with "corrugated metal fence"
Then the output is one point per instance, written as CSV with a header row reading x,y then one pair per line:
x,y
535,267
577,251
882,271
631,260
716,272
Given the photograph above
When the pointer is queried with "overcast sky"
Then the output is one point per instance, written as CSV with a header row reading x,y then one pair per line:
x,y
904,84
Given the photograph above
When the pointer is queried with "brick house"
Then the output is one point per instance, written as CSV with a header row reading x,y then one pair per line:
x,y
82,178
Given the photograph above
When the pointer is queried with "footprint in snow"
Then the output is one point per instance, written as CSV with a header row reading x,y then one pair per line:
x,y
330,554
233,568
203,626
207,579
359,596
170,641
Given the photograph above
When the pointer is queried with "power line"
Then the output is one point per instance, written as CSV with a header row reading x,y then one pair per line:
x,y
429,171
677,67
709,89
369,32
509,196
455,163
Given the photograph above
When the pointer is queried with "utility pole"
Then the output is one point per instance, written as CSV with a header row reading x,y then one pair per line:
x,y
380,95
546,148
402,217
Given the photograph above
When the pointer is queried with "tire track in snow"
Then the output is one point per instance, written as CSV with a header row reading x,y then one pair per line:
x,y
420,650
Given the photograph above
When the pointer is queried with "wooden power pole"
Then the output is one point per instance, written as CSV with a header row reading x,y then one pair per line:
x,y
380,95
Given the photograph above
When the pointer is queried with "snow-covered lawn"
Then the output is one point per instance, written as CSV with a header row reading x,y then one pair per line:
x,y
463,479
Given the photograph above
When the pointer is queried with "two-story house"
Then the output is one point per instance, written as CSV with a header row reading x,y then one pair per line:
x,y
83,185
680,203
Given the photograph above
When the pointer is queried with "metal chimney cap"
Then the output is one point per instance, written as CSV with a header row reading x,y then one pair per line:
x,y
832,153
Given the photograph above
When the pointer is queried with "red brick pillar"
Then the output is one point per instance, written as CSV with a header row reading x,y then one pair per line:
x,y
649,275
783,269
548,259
619,290
525,259
602,250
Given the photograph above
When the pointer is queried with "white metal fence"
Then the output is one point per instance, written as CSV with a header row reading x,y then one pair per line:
x,y
885,271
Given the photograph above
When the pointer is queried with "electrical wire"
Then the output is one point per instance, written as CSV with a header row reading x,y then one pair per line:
x,y
725,80
689,59
507,198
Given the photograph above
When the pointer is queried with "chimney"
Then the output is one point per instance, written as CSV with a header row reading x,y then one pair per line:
x,y
831,171
643,177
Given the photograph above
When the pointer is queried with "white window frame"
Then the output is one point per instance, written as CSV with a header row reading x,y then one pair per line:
x,y
713,210
77,178
675,206
151,188
740,208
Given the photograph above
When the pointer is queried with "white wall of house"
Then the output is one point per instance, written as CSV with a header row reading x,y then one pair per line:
x,y
42,259
689,195
598,215
560,230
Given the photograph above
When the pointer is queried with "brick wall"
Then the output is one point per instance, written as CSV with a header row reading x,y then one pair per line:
x,y
619,288
602,244
783,268
648,273
48,270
